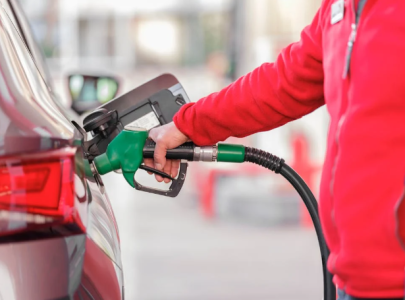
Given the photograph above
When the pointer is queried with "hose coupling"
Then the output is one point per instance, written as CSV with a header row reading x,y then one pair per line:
x,y
205,153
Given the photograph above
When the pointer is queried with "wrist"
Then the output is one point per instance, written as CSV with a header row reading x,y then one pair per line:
x,y
181,123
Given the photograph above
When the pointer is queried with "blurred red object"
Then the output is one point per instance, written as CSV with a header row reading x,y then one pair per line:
x,y
301,163
207,184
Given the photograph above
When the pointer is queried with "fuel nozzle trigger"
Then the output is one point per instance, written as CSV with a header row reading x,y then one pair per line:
x,y
174,188
154,171
125,152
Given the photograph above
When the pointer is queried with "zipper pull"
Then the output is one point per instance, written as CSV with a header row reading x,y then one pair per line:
x,y
349,50
353,35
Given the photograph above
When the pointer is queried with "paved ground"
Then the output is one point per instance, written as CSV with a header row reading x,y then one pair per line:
x,y
171,253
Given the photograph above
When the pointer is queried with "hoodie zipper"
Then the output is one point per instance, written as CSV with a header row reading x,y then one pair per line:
x,y
352,38
349,50
353,35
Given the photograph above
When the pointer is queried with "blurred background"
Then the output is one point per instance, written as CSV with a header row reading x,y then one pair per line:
x,y
234,232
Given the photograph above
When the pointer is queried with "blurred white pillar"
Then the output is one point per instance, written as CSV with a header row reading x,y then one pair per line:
x,y
124,40
69,34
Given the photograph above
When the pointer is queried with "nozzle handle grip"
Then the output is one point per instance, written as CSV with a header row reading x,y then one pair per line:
x,y
184,151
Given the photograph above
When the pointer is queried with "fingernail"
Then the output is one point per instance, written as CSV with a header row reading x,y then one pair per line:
x,y
158,166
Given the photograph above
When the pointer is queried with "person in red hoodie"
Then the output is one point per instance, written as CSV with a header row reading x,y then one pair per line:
x,y
351,58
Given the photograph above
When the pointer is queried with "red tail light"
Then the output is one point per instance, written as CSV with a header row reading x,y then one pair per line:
x,y
37,190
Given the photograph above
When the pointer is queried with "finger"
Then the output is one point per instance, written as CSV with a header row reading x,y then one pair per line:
x,y
152,134
175,168
167,169
158,178
160,156
149,163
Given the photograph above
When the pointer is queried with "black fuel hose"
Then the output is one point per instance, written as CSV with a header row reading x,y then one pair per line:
x,y
278,166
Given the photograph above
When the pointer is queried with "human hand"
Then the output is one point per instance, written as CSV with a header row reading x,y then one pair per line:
x,y
166,137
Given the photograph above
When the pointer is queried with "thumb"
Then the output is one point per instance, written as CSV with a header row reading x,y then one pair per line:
x,y
160,156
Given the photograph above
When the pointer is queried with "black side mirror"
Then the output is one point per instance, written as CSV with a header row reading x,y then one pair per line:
x,y
88,92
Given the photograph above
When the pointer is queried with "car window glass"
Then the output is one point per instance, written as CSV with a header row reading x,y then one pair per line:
x,y
17,16
25,97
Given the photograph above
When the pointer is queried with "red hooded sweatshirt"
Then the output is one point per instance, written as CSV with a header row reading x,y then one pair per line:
x,y
364,171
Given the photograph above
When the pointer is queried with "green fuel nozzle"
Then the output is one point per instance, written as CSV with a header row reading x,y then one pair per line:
x,y
131,146
125,152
